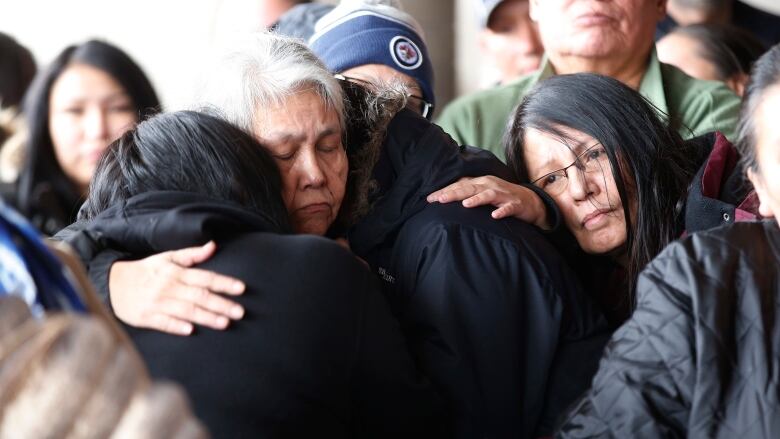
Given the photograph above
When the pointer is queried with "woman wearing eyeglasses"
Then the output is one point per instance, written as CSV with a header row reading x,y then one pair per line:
x,y
624,183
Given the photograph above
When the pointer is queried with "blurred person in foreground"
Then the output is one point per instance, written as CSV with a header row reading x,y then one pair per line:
x,y
700,355
67,370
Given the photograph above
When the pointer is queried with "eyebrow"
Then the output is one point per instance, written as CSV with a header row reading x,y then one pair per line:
x,y
287,137
112,97
577,150
329,131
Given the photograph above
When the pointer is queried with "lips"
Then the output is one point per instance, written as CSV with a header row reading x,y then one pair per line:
x,y
594,218
314,208
593,19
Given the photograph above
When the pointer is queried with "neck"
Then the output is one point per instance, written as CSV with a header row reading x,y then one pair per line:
x,y
628,71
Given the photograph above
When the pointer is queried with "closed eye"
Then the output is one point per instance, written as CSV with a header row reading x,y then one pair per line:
x,y
284,157
328,148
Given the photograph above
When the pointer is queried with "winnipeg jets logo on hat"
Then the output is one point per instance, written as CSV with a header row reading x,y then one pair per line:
x,y
405,53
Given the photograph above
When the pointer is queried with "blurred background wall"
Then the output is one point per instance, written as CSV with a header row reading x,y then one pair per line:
x,y
171,39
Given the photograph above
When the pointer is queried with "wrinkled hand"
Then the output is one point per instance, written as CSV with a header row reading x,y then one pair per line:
x,y
510,200
161,292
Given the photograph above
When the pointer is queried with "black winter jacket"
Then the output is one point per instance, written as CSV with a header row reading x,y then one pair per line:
x,y
491,311
318,353
700,356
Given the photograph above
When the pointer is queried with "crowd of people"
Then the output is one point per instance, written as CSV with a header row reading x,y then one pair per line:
x,y
585,249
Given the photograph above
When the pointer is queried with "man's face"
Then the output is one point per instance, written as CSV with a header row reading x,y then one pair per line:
x,y
512,40
597,29
304,138
767,180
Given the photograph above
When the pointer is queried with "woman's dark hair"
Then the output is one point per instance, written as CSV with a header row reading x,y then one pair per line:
x,y
765,75
189,152
730,49
649,161
41,163
17,69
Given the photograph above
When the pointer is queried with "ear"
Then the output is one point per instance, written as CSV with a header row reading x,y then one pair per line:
x,y
533,10
661,8
737,83
763,196
483,39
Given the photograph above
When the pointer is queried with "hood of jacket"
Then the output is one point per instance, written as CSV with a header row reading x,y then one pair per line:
x,y
159,221
407,157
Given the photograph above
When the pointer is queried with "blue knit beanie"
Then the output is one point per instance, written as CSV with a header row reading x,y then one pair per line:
x,y
360,33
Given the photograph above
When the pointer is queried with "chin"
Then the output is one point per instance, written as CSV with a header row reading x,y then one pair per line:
x,y
319,228
593,45
610,246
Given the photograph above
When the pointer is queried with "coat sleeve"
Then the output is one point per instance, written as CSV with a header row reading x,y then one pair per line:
x,y
483,319
95,254
645,378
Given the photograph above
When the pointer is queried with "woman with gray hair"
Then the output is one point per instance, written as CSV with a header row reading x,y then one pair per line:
x,y
274,88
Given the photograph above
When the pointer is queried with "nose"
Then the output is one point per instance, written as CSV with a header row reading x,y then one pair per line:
x,y
580,186
95,124
310,169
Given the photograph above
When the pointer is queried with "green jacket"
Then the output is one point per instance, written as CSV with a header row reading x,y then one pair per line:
x,y
695,106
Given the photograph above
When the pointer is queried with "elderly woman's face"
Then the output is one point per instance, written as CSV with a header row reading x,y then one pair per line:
x,y
597,28
585,192
767,179
304,138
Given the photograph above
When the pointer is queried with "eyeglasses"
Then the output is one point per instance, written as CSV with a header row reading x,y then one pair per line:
x,y
593,159
414,103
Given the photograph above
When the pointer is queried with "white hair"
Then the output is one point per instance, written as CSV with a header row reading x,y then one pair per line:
x,y
262,71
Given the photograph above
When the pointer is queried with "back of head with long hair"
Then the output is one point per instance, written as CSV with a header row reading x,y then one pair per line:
x,y
41,163
765,76
730,49
17,69
650,162
189,152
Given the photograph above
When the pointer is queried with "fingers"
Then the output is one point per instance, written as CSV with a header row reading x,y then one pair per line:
x,y
218,283
485,197
505,211
208,301
190,256
166,323
190,313
457,191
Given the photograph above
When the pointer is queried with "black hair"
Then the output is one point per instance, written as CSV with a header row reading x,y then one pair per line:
x,y
765,75
190,152
41,163
730,49
648,159
17,69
